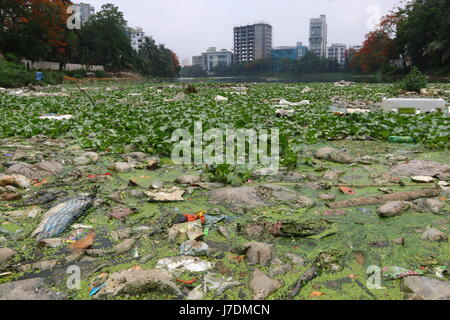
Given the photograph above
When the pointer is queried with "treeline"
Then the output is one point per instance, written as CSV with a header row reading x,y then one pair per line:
x,y
37,30
417,34
310,63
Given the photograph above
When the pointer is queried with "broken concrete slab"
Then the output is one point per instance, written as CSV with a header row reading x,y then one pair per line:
x,y
424,288
258,253
134,282
420,168
263,286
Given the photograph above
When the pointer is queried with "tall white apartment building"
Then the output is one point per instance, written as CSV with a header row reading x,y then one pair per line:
x,y
137,38
337,52
318,36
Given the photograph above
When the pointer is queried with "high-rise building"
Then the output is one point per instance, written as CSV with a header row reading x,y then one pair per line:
x,y
216,58
86,11
213,58
200,61
289,52
137,38
252,42
337,51
318,36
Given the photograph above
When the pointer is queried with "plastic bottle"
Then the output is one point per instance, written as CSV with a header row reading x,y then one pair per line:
x,y
396,139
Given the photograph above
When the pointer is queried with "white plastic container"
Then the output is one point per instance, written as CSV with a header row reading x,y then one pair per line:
x,y
407,106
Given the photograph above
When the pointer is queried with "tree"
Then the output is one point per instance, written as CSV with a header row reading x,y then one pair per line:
x,y
424,32
34,29
378,49
104,40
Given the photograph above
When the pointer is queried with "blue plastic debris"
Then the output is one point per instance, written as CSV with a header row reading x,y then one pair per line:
x,y
61,216
95,290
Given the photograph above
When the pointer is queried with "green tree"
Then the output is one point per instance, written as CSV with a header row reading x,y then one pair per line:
x,y
104,40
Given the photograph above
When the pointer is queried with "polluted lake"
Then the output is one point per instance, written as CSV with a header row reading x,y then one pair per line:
x,y
94,206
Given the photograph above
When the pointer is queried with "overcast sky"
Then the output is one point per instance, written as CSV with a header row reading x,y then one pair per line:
x,y
189,27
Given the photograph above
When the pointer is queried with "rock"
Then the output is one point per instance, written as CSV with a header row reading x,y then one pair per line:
x,y
173,194
327,197
134,282
11,189
258,253
263,173
184,263
280,193
43,266
263,286
194,230
216,282
38,171
420,168
188,179
196,294
153,163
423,288
23,168
331,154
139,156
81,161
289,176
29,289
443,184
52,243
49,168
394,208
333,175
124,246
311,177
305,202
280,270
429,205
435,235
10,196
18,156
17,180
296,259
121,234
422,179
121,167
193,248
224,231
6,254
238,198
156,185
93,156
32,212
121,213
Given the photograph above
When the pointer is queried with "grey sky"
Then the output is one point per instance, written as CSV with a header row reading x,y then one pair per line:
x,y
189,27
